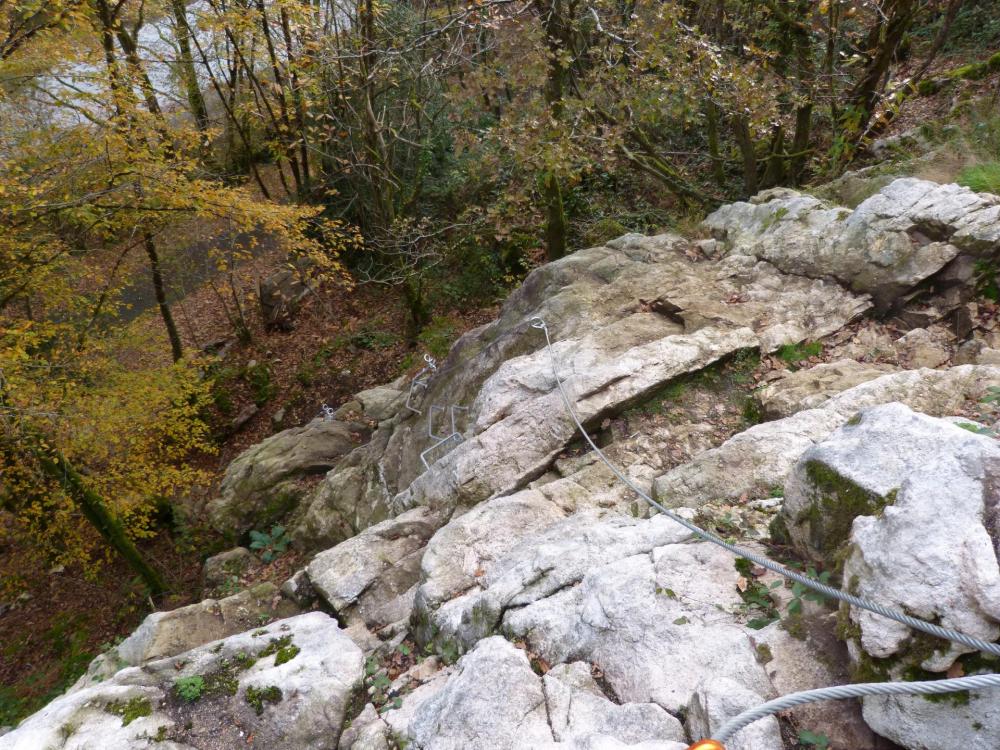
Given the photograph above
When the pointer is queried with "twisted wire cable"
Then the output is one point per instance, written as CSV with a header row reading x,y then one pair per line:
x,y
822,588
839,692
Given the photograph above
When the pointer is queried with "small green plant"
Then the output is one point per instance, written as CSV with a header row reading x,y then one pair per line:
x,y
285,654
437,336
752,412
272,545
756,597
377,681
801,593
257,697
814,740
189,689
795,353
282,648
373,339
262,387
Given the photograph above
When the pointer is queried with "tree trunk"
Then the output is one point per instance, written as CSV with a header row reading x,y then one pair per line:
x,y
100,516
557,38
800,142
416,305
774,171
884,38
189,78
555,222
744,139
161,297
712,127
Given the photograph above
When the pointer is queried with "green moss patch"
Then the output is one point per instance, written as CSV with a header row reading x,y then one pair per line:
x,y
282,649
836,502
130,710
257,697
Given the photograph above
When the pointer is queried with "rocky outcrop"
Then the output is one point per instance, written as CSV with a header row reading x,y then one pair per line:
x,y
513,593
286,686
258,486
226,567
796,391
495,701
172,632
907,232
756,461
371,579
625,319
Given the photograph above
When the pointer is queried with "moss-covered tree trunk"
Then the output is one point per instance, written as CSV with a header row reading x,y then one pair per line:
x,y
96,511
556,226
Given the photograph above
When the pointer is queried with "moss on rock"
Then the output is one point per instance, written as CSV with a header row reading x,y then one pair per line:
x,y
130,710
836,502
257,697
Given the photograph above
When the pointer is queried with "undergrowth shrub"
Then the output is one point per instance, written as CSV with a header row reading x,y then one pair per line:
x,y
983,178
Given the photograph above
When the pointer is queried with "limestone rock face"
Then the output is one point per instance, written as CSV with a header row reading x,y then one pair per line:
x,y
285,686
172,632
909,502
381,403
371,578
624,319
809,388
912,496
717,700
256,490
920,348
495,701
758,460
908,231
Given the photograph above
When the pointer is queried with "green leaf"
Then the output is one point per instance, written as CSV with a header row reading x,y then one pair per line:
x,y
260,538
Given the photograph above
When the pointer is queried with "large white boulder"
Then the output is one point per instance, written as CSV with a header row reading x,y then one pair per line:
x,y
288,686
907,232
909,503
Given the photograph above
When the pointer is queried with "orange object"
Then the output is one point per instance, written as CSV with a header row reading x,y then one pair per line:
x,y
707,745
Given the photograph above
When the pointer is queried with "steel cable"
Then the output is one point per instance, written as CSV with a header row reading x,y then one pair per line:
x,y
839,692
